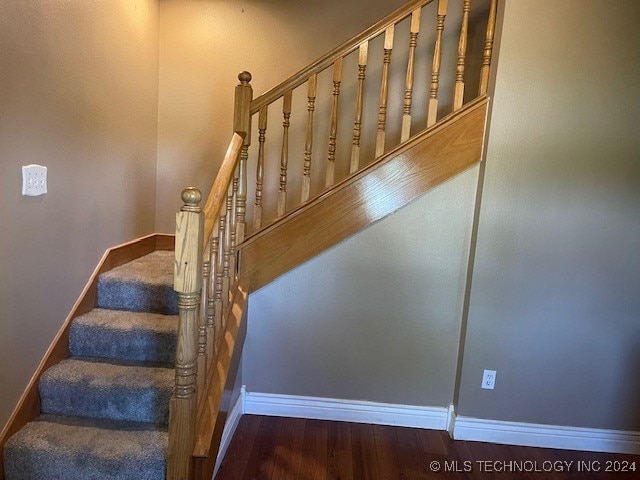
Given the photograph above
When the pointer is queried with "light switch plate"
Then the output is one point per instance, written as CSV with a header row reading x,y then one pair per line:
x,y
34,180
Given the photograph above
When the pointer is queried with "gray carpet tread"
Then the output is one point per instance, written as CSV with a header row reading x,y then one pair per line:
x,y
155,268
140,336
105,409
104,390
63,448
143,285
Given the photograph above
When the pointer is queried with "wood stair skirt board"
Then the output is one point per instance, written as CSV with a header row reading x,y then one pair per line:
x,y
440,418
397,178
28,406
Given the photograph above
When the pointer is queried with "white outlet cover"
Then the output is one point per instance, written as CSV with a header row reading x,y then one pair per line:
x,y
34,180
489,379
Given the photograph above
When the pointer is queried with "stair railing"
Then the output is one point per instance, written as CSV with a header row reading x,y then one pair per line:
x,y
335,61
207,240
204,278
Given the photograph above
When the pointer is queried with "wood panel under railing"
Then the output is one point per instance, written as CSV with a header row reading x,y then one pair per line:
x,y
215,246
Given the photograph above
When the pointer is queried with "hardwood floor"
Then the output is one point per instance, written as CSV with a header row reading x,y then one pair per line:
x,y
275,448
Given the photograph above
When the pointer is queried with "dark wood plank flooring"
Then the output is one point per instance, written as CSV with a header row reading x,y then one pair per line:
x,y
275,448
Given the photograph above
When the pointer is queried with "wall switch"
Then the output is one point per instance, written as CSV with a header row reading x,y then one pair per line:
x,y
489,379
34,180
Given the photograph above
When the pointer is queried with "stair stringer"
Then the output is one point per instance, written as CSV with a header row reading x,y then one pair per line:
x,y
425,161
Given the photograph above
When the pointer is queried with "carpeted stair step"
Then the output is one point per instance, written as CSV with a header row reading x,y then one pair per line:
x,y
143,285
86,388
140,336
67,448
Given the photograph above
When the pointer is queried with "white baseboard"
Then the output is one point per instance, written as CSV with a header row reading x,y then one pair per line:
x,y
435,418
548,436
230,427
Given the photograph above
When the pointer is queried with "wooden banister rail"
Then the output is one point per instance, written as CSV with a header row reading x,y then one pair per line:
x,y
341,51
218,194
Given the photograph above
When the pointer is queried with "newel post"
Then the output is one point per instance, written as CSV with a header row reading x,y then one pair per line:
x,y
188,285
242,124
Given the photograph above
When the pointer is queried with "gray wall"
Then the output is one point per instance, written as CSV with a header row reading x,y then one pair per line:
x,y
554,302
554,305
203,47
375,318
78,93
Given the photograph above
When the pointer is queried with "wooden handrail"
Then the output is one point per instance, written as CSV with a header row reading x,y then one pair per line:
x,y
327,60
218,193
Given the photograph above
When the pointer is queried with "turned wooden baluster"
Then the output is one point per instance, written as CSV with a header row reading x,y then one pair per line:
x,y
488,49
308,144
234,226
408,90
333,130
211,291
284,156
202,319
357,123
219,270
432,115
241,203
242,124
384,91
229,235
462,51
188,285
262,128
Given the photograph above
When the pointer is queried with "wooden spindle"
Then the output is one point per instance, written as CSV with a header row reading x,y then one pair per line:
x,y
432,114
357,123
211,291
234,226
333,130
458,97
308,144
228,232
202,320
241,198
188,285
488,49
408,90
384,91
219,270
284,156
262,128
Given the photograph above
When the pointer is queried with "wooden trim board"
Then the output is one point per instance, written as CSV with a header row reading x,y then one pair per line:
x,y
28,406
212,413
405,173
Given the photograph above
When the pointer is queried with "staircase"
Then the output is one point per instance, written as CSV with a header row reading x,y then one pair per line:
x,y
135,384
105,409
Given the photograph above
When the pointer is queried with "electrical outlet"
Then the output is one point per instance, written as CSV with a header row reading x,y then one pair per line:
x,y
34,180
489,379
